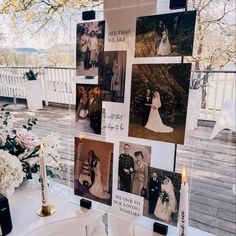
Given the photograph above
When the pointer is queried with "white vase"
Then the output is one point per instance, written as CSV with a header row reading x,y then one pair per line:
x,y
34,94
194,106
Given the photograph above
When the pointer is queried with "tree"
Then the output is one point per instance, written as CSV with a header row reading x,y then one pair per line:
x,y
57,58
36,14
9,57
215,37
215,32
1,37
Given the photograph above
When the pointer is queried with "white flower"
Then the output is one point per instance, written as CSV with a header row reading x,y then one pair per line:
x,y
51,140
51,143
11,173
6,124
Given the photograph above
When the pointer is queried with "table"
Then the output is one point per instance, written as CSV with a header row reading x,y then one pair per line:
x,y
26,200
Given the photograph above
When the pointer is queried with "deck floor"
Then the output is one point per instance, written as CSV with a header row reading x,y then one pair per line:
x,y
211,164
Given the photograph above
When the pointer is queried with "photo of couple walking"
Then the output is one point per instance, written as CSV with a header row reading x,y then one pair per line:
x,y
89,47
162,201
134,160
93,164
165,35
159,98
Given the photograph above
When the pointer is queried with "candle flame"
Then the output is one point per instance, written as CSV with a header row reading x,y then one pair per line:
x,y
184,177
41,148
81,136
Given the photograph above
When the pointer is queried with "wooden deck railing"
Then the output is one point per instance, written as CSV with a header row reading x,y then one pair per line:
x,y
59,86
217,87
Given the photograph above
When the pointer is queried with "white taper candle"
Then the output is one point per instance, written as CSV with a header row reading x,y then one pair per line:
x,y
43,177
184,205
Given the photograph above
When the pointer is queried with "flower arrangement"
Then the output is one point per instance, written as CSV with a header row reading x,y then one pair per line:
x,y
23,145
164,197
11,174
31,75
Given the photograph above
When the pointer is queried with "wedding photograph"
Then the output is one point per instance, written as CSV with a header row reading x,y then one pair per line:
x,y
162,201
134,160
165,35
89,48
159,99
88,113
93,170
111,76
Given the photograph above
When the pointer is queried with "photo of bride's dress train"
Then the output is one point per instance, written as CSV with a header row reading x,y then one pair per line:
x,y
154,122
97,188
166,204
159,99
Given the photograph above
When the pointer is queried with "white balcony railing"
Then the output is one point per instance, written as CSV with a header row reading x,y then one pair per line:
x,y
59,86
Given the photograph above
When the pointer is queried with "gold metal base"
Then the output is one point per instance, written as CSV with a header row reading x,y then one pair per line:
x,y
46,210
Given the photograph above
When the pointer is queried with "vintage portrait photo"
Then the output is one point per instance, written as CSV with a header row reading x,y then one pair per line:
x,y
134,160
93,170
89,47
112,75
162,201
159,98
88,111
165,35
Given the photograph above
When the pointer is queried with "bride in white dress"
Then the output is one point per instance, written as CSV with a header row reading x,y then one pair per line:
x,y
97,189
164,46
154,122
163,210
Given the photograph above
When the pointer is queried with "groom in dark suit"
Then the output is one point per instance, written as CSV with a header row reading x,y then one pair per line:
x,y
147,101
126,169
154,191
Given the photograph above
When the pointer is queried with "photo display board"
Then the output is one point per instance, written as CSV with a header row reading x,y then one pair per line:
x,y
131,109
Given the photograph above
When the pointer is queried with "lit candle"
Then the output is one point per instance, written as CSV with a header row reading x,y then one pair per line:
x,y
43,177
184,205
81,136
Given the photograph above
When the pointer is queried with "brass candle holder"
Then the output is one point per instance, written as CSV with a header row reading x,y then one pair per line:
x,y
46,211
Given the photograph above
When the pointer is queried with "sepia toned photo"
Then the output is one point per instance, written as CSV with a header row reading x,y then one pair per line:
x,y
88,108
134,160
93,170
162,201
89,48
159,98
112,72
165,35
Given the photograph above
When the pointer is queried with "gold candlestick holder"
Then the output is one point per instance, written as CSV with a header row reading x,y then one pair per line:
x,y
46,210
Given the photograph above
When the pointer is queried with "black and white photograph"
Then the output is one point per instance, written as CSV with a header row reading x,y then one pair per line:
x,y
162,201
89,48
159,98
134,160
88,108
112,75
165,35
93,170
